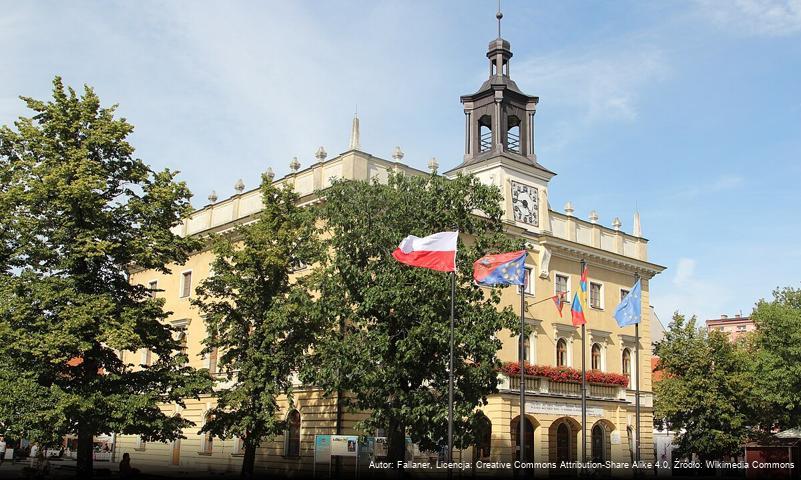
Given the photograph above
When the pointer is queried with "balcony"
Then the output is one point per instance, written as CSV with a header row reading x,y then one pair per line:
x,y
543,386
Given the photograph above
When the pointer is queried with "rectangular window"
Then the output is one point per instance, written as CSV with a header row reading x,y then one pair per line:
x,y
153,286
140,443
623,293
186,284
208,444
596,292
213,361
526,349
560,283
528,282
239,446
145,357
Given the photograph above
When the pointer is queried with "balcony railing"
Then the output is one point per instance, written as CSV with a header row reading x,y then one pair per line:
x,y
544,386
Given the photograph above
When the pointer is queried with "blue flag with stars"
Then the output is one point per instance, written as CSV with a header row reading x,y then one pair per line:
x,y
630,309
501,269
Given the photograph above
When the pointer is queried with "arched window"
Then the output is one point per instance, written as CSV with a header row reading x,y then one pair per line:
x,y
627,364
596,356
484,133
561,352
513,134
292,435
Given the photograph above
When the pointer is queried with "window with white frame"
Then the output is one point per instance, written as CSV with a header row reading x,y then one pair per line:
x,y
561,283
596,357
528,282
526,349
186,284
626,360
561,353
596,295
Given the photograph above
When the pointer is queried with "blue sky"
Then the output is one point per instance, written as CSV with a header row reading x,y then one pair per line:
x,y
689,110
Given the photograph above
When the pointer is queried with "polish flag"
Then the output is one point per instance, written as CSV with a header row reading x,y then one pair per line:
x,y
435,252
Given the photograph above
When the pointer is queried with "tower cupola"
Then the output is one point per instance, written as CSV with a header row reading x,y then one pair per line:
x,y
499,118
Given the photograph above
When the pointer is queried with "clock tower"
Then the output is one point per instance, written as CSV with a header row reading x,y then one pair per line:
x,y
499,142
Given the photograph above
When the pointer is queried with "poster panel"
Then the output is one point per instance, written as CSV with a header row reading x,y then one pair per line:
x,y
322,448
344,445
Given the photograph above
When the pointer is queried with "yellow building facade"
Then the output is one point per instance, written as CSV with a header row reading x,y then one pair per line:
x,y
499,150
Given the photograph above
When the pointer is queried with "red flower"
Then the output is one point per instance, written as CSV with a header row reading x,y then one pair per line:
x,y
565,374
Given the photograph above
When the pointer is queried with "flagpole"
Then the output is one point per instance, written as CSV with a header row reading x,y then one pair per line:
x,y
637,376
522,374
450,379
583,386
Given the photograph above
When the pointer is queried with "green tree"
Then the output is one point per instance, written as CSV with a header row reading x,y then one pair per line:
x,y
778,359
80,211
257,318
387,343
706,390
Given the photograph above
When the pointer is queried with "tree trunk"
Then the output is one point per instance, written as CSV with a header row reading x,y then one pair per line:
x,y
249,460
396,443
85,450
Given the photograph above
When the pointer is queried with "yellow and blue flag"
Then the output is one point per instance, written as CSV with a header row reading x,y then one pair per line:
x,y
580,301
501,269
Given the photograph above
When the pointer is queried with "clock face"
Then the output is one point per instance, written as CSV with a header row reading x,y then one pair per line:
x,y
525,203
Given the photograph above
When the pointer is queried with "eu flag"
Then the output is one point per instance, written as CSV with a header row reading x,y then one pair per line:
x,y
502,269
630,309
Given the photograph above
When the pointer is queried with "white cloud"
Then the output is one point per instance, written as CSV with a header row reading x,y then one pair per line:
x,y
755,17
721,184
690,294
685,269
604,82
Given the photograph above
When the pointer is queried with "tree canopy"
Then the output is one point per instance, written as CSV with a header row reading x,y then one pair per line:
x,y
777,370
706,392
387,340
257,318
78,212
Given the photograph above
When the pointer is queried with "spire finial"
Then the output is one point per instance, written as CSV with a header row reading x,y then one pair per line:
x,y
499,16
354,134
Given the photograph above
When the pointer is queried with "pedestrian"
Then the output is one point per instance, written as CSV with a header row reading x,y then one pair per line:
x,y
2,449
125,467
34,453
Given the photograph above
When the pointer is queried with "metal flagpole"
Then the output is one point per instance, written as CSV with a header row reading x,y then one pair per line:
x,y
583,382
637,376
522,374
450,380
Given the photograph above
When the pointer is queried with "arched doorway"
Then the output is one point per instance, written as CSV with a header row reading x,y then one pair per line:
x,y
597,445
482,439
528,455
563,441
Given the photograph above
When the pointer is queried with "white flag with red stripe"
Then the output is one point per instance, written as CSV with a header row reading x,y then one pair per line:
x,y
435,252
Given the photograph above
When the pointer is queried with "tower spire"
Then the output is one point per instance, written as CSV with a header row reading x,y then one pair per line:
x,y
499,16
354,134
